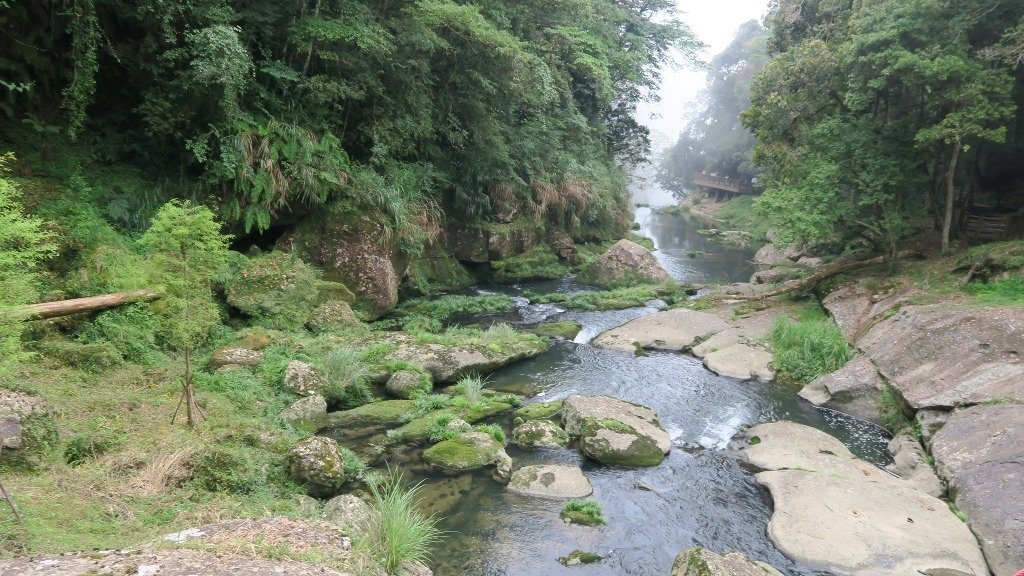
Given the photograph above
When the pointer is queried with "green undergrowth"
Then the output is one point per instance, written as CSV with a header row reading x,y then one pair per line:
x,y
739,214
586,512
616,299
810,348
537,263
893,410
432,314
1005,292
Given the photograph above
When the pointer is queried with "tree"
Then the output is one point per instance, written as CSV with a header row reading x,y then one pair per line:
x,y
188,251
23,245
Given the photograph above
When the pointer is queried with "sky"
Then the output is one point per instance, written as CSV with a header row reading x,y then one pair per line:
x,y
715,22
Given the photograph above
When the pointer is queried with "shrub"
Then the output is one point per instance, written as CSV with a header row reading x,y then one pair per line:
x,y
587,512
351,396
220,469
402,533
439,430
82,447
346,373
810,348
132,330
471,387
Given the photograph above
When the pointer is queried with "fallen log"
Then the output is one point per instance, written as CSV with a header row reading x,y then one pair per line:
x,y
59,308
826,273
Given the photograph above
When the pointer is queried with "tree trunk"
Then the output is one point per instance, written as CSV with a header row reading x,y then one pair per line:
x,y
189,391
78,305
947,220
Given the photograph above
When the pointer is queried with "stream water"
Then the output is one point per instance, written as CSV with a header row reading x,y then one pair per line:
x,y
702,493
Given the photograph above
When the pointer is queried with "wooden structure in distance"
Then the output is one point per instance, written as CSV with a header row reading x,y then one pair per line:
x,y
721,184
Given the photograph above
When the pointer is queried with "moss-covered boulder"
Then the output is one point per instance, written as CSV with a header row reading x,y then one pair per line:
x,y
275,289
346,244
551,481
302,378
624,264
701,562
418,429
538,411
377,414
332,315
465,452
488,241
308,412
539,434
28,430
435,271
615,432
317,463
408,383
565,329
235,356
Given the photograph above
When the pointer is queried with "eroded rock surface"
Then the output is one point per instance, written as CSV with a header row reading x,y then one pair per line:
x,y
980,453
671,330
937,357
910,462
615,432
702,562
551,481
539,434
853,389
740,361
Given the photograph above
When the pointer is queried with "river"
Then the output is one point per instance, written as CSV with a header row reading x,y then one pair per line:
x,y
703,494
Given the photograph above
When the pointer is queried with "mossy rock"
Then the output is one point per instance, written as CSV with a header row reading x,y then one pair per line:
x,y
615,443
465,452
538,411
539,434
624,264
579,518
566,329
377,414
579,557
418,429
538,263
435,271
332,315
278,290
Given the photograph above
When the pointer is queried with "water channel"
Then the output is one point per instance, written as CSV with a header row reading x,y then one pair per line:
x,y
703,494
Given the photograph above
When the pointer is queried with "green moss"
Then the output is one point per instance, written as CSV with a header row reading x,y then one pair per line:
x,y
277,290
566,329
579,557
537,263
380,413
462,453
642,451
418,429
642,240
586,512
538,411
618,299
436,271
38,438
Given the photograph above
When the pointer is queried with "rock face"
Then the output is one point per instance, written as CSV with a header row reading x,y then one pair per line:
x,y
910,462
407,383
539,434
979,453
485,243
835,512
317,462
740,361
302,378
852,389
235,356
615,432
624,264
465,452
702,562
347,247
310,411
27,428
226,549
551,481
940,358
672,330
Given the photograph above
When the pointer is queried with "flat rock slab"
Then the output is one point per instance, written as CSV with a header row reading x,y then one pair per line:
x,y
703,562
740,361
448,363
672,330
551,481
941,358
980,452
864,527
853,389
787,445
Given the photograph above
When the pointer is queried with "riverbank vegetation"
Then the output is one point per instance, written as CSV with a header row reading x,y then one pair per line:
x,y
809,348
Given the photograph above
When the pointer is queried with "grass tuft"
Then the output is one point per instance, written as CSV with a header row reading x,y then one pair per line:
x,y
810,348
587,512
402,533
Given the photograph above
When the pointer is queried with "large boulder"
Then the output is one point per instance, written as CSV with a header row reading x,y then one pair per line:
x,y
408,383
551,481
702,562
436,270
624,264
467,451
367,416
672,330
348,247
539,434
980,453
302,378
307,411
772,255
277,289
615,432
835,512
938,357
853,389
450,362
741,361
350,512
317,463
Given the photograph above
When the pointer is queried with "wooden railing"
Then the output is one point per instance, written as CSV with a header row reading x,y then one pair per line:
x,y
732,185
989,225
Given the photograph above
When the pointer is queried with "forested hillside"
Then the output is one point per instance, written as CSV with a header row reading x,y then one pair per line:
x,y
871,116
420,112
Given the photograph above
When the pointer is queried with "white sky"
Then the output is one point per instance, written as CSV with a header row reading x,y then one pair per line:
x,y
715,22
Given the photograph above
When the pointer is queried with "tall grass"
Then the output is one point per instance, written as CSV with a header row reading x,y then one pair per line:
x,y
346,372
472,388
810,348
402,533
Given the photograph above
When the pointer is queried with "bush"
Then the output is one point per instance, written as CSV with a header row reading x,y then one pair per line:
x,y
132,330
402,533
471,387
810,348
354,467
82,447
586,512
219,469
439,430
1008,292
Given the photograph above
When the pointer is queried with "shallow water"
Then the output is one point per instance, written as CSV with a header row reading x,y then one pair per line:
x,y
703,494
